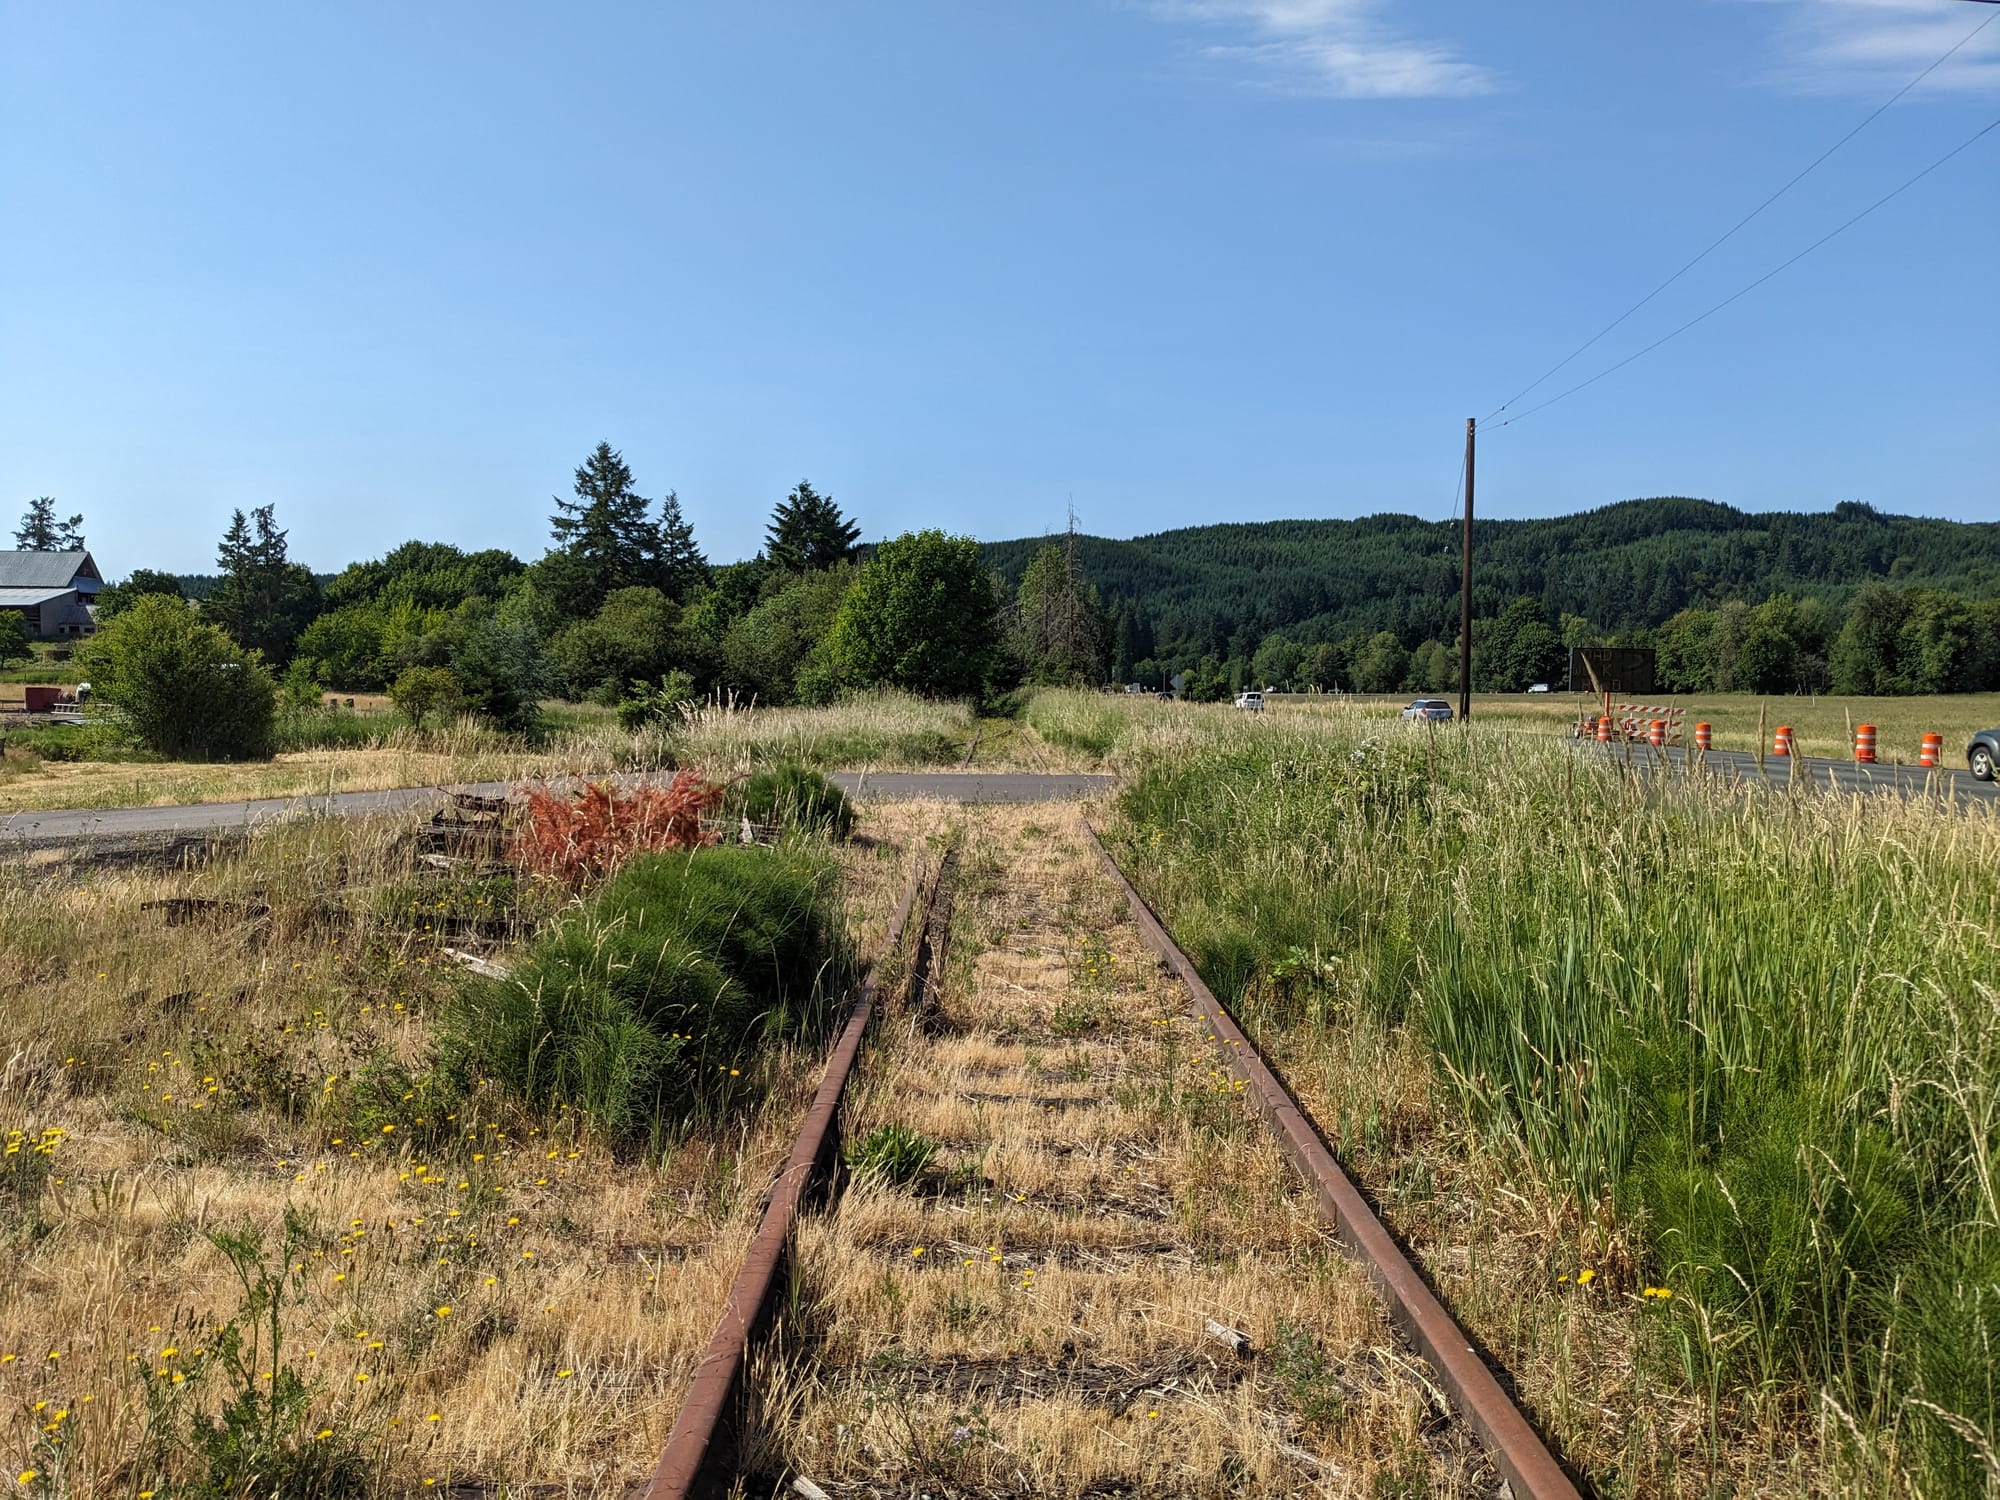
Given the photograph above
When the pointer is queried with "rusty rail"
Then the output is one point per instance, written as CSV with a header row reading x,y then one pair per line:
x,y
1517,1449
686,1462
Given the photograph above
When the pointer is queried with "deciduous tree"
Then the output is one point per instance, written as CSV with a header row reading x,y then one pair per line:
x,y
922,616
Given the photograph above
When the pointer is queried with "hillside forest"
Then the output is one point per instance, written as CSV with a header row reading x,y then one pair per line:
x,y
625,609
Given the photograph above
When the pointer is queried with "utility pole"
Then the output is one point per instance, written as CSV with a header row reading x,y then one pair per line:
x,y
1465,587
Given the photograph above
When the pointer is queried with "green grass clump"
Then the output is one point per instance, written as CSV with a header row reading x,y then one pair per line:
x,y
891,1153
650,1005
793,796
1757,1034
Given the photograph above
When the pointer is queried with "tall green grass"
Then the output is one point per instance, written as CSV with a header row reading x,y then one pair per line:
x,y
649,1006
1758,1033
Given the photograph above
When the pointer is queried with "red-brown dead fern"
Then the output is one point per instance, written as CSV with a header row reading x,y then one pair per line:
x,y
584,837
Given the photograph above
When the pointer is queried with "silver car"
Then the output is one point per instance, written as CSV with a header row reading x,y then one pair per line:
x,y
1428,708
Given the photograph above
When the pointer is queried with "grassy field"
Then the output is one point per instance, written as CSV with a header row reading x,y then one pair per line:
x,y
1820,726
242,1210
373,749
1690,1101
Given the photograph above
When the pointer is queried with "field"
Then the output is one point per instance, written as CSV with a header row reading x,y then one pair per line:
x,y
1687,1099
375,749
1820,726
234,1202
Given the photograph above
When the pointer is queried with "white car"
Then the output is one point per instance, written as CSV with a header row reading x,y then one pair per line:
x,y
1540,687
1250,702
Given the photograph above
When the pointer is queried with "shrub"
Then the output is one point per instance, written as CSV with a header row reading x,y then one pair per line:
x,y
422,691
579,838
794,796
183,687
641,1009
13,638
647,704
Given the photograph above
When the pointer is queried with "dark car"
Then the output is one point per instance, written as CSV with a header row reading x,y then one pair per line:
x,y
1982,756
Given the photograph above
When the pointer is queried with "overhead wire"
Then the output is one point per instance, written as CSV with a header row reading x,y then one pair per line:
x,y
1733,229
1737,296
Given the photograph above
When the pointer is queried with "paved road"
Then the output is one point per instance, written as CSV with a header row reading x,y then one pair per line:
x,y
1841,775
194,819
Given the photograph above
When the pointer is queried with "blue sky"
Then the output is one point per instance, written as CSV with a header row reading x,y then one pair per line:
x,y
397,268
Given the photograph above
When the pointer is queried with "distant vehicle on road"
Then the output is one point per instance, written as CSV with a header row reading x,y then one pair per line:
x,y
1166,695
1540,687
1982,756
1251,702
1428,708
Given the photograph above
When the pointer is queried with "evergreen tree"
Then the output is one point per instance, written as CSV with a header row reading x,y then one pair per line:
x,y
263,599
604,538
808,532
40,531
678,565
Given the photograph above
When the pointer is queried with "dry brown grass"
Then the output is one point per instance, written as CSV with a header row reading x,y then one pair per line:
x,y
205,1077
1030,1315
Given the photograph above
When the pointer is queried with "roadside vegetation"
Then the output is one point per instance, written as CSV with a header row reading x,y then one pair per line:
x,y
295,1203
1687,1096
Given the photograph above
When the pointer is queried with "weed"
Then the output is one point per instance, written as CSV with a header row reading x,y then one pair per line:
x,y
891,1153
1305,1379
261,1440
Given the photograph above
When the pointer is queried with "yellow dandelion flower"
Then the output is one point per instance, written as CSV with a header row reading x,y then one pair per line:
x,y
1585,1276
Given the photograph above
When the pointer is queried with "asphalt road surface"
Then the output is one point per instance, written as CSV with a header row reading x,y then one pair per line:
x,y
123,824
1836,775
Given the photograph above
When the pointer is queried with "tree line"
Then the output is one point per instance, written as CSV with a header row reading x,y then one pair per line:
x,y
622,609
1850,600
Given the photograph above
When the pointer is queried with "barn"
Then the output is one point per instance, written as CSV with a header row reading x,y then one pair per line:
x,y
53,592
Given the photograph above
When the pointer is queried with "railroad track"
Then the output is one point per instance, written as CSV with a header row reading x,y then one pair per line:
x,y
1074,1239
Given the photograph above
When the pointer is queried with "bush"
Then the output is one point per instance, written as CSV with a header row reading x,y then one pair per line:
x,y
13,638
647,704
183,688
641,1009
427,690
793,796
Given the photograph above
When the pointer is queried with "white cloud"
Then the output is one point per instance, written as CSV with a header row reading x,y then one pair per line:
x,y
1337,48
1876,46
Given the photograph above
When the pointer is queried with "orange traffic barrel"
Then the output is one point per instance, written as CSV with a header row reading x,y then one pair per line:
x,y
1704,737
1656,732
1603,727
1864,742
1781,741
1932,753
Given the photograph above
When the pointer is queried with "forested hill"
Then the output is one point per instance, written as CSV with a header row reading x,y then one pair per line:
x,y
1223,588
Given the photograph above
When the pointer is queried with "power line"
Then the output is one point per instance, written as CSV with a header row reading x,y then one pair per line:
x,y
1703,317
1730,233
